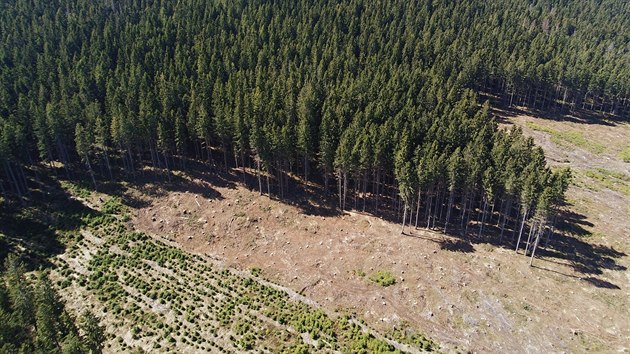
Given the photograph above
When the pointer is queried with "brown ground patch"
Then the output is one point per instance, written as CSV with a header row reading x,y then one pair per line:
x,y
600,193
474,296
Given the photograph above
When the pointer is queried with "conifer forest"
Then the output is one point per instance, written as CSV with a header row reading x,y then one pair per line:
x,y
386,108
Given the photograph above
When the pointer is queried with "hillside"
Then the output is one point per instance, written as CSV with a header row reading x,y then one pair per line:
x,y
205,263
314,176
466,294
211,265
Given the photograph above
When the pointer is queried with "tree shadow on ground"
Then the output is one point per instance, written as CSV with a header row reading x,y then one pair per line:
x,y
42,227
457,246
601,283
503,114
567,244
577,115
591,280
570,243
310,199
567,247
445,241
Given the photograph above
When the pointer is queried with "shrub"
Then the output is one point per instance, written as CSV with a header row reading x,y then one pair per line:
x,y
384,278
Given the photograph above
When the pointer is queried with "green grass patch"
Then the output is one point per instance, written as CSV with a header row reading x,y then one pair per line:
x,y
539,128
616,181
383,278
569,138
625,154
577,139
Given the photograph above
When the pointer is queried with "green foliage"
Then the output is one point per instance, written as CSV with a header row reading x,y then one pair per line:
x,y
32,316
72,345
112,206
211,304
184,85
383,278
360,273
256,271
77,189
403,334
625,154
613,180
94,333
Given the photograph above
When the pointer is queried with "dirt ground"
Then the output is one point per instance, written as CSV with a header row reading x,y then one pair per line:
x,y
605,212
482,298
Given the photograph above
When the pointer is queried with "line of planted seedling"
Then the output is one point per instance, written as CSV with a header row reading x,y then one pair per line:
x,y
162,298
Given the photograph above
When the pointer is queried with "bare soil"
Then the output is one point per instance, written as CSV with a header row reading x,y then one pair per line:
x,y
467,296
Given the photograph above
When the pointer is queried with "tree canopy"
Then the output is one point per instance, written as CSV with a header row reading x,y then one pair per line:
x,y
381,96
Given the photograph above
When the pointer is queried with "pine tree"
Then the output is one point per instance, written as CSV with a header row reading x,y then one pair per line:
x,y
48,310
83,141
72,345
455,179
404,172
94,335
20,292
307,120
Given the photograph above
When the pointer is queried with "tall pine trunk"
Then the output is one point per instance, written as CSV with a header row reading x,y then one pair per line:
x,y
483,216
402,231
365,183
505,214
430,201
531,261
168,170
340,189
89,166
109,167
225,158
259,175
448,210
520,233
345,189
532,231
306,168
326,178
11,174
417,208
378,189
